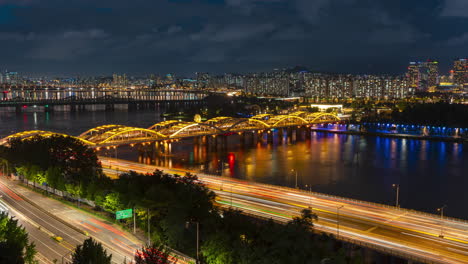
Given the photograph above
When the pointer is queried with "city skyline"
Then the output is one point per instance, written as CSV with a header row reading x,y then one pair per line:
x,y
49,37
289,68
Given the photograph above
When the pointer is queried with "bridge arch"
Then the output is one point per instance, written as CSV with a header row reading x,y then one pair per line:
x,y
129,134
31,133
191,129
248,124
314,117
98,130
164,124
283,120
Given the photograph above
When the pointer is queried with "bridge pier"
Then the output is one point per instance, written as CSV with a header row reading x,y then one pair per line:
x,y
224,142
281,135
242,138
308,133
269,136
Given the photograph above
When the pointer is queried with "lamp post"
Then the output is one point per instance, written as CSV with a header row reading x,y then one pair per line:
x,y
397,189
198,237
338,220
441,210
149,233
293,170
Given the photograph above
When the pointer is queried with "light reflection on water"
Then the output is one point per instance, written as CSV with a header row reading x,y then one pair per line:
x,y
430,173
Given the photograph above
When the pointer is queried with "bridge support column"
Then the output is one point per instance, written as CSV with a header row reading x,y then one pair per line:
x,y
280,135
242,138
214,140
156,148
269,136
288,134
261,137
308,133
224,142
294,135
252,138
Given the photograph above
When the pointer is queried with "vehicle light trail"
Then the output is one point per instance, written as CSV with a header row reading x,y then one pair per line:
x,y
397,231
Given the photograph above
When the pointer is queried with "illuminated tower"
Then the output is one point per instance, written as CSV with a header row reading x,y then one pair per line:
x,y
413,74
460,72
423,76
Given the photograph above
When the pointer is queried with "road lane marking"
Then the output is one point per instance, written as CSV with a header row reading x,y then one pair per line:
x,y
10,192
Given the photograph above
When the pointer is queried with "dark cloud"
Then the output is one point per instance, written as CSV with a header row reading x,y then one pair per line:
x,y
456,8
85,36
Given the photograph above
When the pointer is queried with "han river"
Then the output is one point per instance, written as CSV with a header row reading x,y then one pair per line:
x,y
430,173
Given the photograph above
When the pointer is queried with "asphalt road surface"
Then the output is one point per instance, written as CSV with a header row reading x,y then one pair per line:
x,y
42,227
424,237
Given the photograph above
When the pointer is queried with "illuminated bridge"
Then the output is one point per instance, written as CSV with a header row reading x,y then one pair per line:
x,y
172,130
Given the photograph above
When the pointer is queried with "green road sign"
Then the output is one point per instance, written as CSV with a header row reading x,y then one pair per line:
x,y
127,213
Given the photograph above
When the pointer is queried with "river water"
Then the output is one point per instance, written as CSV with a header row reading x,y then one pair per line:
x,y
430,173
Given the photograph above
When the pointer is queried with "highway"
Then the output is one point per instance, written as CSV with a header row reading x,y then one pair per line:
x,y
41,226
401,232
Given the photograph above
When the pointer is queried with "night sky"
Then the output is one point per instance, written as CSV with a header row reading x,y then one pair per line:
x,y
182,36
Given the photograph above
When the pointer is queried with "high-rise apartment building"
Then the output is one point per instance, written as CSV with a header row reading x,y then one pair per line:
x,y
423,76
413,74
460,72
356,86
276,83
203,80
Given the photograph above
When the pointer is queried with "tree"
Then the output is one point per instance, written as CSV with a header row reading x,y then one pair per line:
x,y
90,252
306,219
152,255
112,202
14,242
72,159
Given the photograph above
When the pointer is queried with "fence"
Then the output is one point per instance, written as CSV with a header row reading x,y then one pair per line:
x,y
58,192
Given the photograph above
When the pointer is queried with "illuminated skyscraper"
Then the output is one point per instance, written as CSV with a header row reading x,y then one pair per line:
x,y
423,76
460,72
413,74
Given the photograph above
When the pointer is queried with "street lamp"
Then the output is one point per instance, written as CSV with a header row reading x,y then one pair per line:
x,y
293,170
397,189
198,237
338,220
441,210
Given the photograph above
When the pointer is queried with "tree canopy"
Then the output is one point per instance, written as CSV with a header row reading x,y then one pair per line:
x,y
90,252
76,162
15,247
152,255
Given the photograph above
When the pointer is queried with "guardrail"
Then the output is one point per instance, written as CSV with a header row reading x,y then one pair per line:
x,y
381,249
